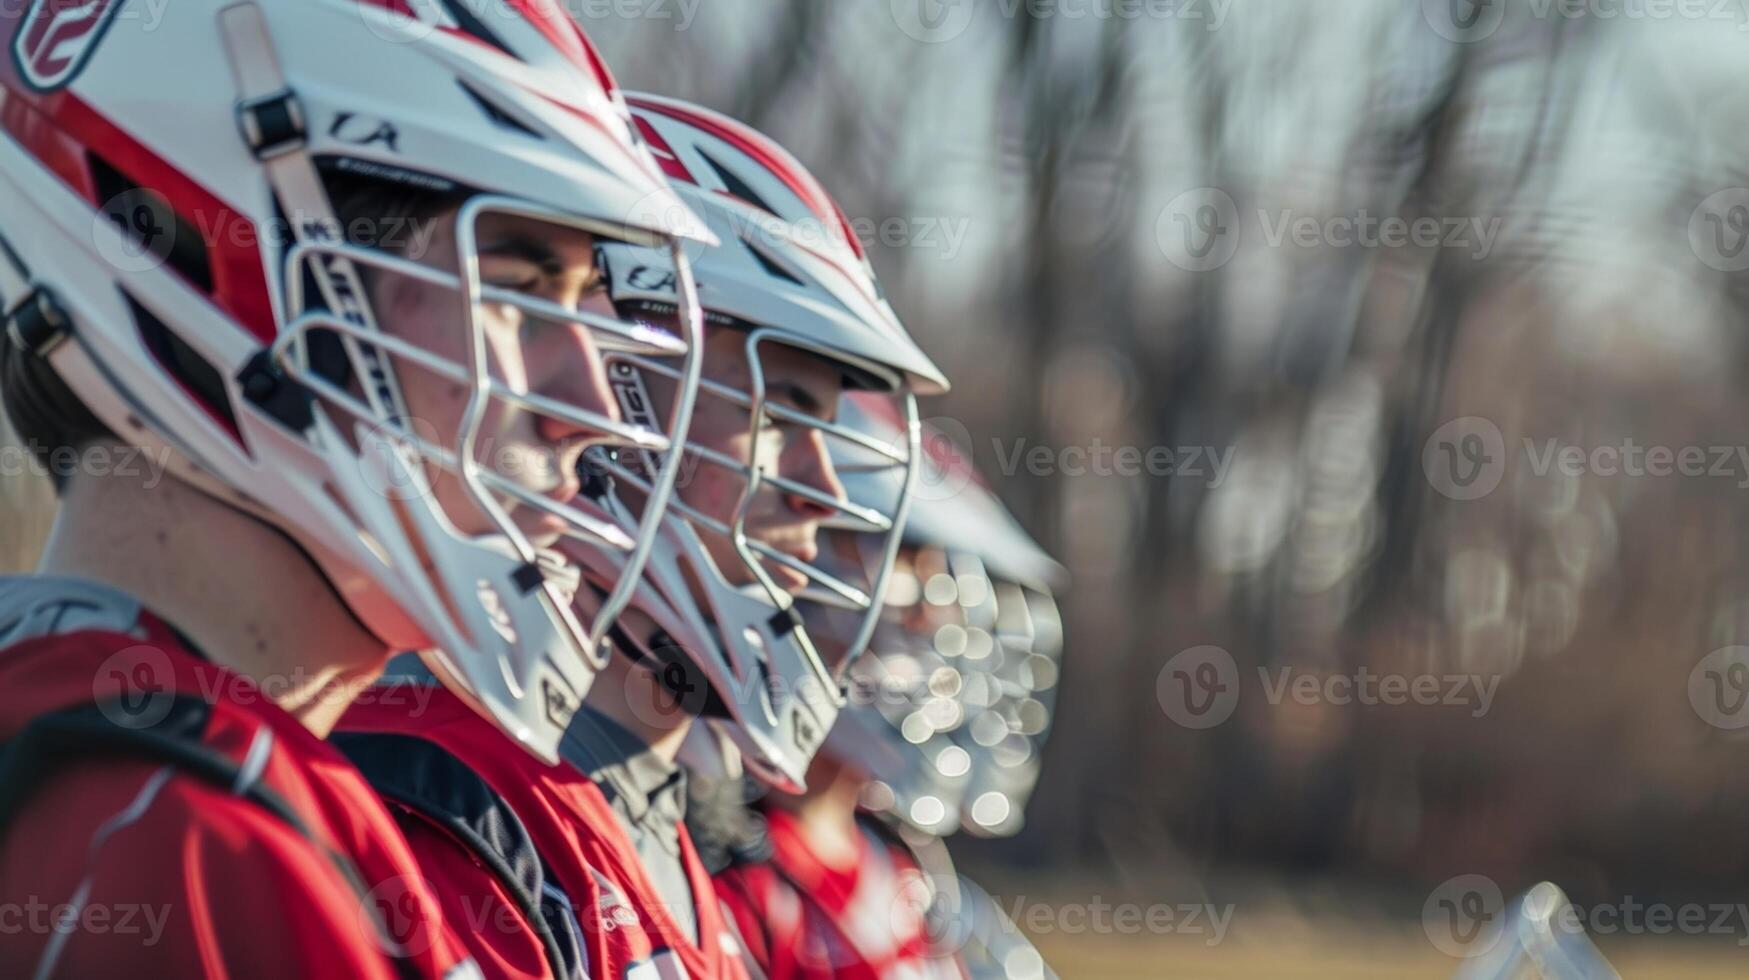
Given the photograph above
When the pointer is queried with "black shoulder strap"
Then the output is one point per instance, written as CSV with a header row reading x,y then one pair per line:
x,y
425,778
51,742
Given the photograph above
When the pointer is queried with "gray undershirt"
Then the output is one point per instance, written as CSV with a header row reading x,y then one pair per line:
x,y
33,606
647,792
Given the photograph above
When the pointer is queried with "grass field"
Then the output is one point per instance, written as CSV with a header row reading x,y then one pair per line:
x,y
1339,955
1312,931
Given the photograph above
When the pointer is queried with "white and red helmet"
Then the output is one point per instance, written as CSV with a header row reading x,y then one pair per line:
x,y
952,700
222,125
788,273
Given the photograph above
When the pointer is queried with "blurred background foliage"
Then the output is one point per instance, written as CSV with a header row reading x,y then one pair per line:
x,y
1578,307
1069,154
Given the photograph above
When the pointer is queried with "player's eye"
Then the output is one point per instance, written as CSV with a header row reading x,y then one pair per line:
x,y
509,273
595,285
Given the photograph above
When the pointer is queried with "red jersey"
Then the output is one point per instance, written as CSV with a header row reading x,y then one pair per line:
x,y
803,918
163,818
584,853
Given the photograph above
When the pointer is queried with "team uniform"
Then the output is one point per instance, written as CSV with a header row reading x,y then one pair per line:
x,y
591,891
189,262
802,917
175,822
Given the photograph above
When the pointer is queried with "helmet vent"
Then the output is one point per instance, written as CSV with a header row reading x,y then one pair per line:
x,y
473,27
498,116
771,268
737,186
148,219
195,373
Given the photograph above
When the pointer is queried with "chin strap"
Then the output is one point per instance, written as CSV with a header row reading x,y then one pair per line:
x,y
33,319
275,127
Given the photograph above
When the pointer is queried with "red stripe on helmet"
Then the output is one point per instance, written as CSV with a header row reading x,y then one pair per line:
x,y
619,140
563,33
768,155
62,155
60,129
394,6
664,154
602,73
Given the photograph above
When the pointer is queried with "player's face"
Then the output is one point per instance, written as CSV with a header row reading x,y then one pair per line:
x,y
524,352
786,522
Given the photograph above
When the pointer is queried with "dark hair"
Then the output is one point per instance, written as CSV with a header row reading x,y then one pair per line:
x,y
47,415
44,412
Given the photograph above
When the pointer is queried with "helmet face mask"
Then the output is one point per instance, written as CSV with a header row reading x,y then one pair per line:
x,y
761,542
796,334
497,373
410,417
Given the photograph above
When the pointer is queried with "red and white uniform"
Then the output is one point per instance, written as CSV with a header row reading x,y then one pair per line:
x,y
804,918
586,853
122,860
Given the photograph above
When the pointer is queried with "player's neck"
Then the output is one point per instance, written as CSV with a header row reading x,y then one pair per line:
x,y
241,591
827,812
630,696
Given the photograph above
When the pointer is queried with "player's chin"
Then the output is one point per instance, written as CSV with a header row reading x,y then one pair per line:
x,y
542,529
787,578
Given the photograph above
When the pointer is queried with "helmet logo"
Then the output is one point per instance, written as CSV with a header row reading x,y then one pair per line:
x,y
56,39
363,131
652,278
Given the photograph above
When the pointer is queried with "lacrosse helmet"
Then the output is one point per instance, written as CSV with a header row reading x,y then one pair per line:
x,y
173,190
721,610
952,700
